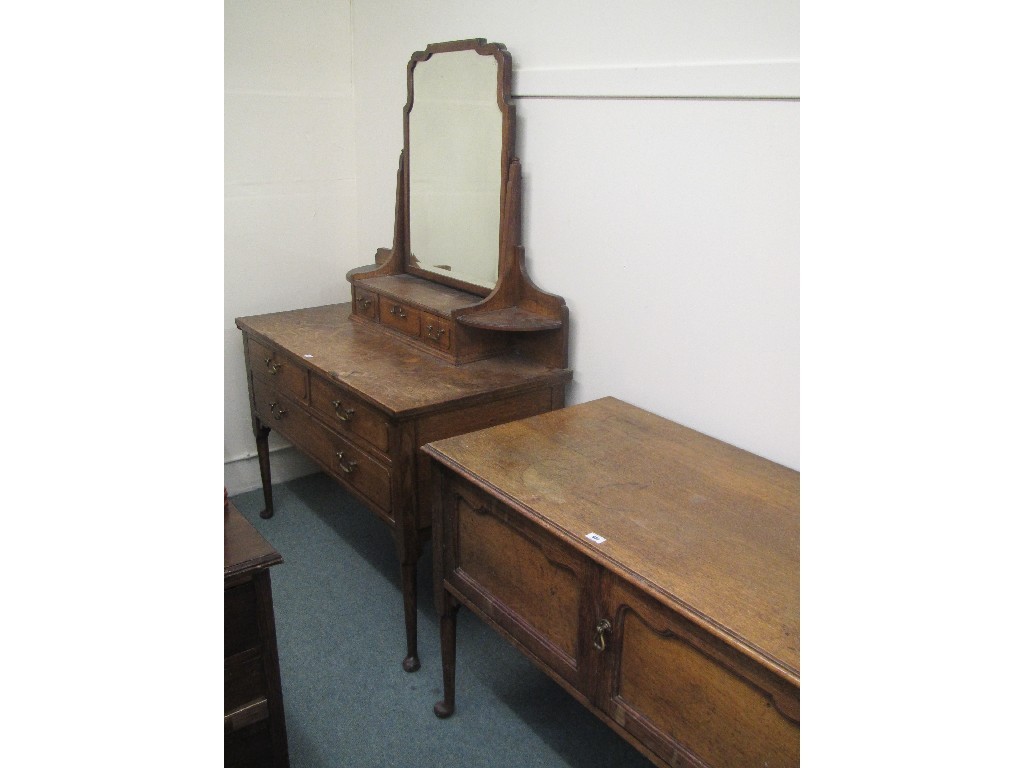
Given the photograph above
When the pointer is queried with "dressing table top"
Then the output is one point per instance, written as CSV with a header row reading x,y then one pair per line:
x,y
397,376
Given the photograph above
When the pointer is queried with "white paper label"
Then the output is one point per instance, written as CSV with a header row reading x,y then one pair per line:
x,y
595,538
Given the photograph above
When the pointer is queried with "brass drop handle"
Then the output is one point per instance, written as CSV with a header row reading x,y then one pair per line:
x,y
277,410
364,302
272,366
345,414
397,311
433,333
346,466
602,626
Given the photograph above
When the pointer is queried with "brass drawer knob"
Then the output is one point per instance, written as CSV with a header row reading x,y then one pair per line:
x,y
602,626
346,466
345,414
277,411
397,311
435,333
272,366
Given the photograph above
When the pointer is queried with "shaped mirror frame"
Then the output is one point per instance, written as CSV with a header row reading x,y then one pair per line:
x,y
458,137
467,314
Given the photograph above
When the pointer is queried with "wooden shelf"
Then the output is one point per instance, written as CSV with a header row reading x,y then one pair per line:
x,y
423,294
512,319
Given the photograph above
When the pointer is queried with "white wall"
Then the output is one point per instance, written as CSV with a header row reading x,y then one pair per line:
x,y
670,224
289,185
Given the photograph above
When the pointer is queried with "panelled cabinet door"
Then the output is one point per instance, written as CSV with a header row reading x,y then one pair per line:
x,y
532,586
684,694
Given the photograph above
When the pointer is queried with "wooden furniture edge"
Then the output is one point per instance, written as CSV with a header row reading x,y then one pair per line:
x,y
751,651
553,376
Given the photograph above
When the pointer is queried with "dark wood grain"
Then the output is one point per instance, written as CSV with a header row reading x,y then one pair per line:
x,y
697,578
244,548
359,402
512,319
399,378
719,530
420,293
254,726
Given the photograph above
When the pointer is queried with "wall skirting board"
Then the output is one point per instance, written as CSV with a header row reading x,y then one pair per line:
x,y
243,474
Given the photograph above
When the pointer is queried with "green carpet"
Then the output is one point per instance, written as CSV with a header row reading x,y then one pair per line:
x,y
341,641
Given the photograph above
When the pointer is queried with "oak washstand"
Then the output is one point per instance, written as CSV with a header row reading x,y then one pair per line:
x,y
650,570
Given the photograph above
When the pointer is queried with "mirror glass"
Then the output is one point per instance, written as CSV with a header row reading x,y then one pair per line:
x,y
454,166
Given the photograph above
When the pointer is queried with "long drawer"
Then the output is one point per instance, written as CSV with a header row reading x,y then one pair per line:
x,y
355,468
348,415
274,367
351,465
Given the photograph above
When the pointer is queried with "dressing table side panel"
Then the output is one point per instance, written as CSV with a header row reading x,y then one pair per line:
x,y
437,426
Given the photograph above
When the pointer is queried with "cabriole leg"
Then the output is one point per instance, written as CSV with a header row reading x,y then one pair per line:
x,y
263,452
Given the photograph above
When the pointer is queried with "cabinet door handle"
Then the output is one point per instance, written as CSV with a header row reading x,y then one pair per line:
x,y
346,466
397,311
277,411
435,333
272,366
345,414
602,626
364,302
